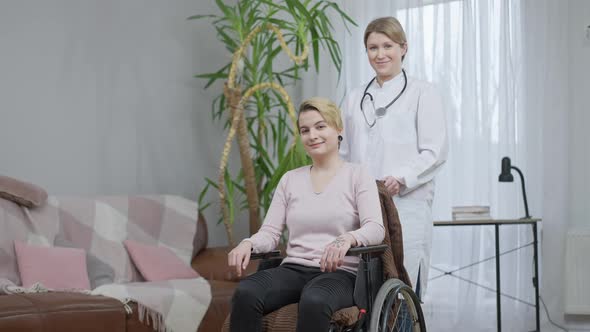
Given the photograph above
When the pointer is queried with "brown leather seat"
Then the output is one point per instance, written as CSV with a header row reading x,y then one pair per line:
x,y
49,312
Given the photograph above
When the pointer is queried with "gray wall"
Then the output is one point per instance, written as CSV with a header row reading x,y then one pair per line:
x,y
578,59
579,137
98,97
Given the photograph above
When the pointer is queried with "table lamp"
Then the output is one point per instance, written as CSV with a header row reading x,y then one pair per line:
x,y
506,176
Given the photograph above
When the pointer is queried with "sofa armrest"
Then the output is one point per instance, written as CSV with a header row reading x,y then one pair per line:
x,y
211,263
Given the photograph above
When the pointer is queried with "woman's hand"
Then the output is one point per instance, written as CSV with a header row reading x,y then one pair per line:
x,y
392,184
334,252
239,257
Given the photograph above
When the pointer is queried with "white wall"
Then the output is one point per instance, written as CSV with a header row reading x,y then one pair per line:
x,y
559,72
98,97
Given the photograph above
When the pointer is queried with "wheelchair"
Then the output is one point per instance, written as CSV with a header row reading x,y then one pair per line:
x,y
381,303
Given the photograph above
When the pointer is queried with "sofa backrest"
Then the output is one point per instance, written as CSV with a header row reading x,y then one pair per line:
x,y
99,225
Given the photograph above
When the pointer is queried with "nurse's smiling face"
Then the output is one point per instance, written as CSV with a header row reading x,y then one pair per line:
x,y
385,56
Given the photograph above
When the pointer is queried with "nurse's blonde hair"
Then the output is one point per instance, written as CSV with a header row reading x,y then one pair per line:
x,y
390,27
327,109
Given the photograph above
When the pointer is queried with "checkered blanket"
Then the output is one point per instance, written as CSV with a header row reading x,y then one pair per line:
x,y
100,225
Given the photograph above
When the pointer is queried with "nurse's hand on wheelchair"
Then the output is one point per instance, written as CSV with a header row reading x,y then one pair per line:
x,y
239,257
392,184
335,251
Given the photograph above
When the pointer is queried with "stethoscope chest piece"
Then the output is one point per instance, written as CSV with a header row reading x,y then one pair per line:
x,y
380,111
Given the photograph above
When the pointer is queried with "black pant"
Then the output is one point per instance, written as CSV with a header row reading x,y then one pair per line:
x,y
319,296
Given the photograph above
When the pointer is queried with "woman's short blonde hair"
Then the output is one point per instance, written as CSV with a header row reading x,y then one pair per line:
x,y
390,27
327,109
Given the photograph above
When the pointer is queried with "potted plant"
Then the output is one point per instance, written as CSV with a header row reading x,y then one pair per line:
x,y
254,105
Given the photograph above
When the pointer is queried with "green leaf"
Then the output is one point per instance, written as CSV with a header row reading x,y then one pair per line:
x,y
300,8
274,5
197,17
221,73
343,15
229,196
212,75
201,198
225,9
212,183
230,43
203,207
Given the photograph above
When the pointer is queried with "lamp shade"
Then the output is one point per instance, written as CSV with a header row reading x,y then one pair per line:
x,y
505,175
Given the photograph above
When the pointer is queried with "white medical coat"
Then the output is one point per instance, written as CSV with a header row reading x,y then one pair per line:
x,y
409,143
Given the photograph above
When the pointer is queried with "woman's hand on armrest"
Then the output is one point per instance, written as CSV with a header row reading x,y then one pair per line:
x,y
334,252
239,257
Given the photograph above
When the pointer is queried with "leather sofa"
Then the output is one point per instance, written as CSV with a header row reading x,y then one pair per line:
x,y
211,263
52,312
64,312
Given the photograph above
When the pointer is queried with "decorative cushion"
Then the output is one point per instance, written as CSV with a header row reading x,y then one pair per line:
x,y
56,268
20,192
99,272
158,263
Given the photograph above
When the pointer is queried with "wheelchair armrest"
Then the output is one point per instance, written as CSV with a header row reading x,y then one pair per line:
x,y
266,255
351,252
356,251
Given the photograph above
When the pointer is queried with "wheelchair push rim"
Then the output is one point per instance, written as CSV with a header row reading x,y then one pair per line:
x,y
396,308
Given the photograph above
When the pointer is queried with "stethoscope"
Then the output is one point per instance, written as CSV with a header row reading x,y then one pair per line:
x,y
380,112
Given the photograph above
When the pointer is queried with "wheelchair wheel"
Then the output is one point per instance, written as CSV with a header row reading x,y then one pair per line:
x,y
396,308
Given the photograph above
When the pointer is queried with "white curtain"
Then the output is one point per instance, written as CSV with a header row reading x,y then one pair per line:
x,y
472,50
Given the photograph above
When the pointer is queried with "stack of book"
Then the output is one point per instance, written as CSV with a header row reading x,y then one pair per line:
x,y
471,212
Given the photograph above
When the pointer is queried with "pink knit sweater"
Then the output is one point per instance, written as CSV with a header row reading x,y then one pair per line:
x,y
348,204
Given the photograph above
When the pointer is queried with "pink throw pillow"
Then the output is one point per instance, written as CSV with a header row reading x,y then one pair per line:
x,y
158,263
56,268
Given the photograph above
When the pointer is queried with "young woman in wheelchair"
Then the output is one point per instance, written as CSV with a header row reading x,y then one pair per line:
x,y
328,207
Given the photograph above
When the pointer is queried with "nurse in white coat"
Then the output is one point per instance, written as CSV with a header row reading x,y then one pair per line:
x,y
395,126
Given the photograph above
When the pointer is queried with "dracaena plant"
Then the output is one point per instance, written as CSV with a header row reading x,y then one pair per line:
x,y
254,106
